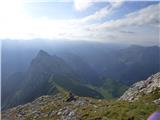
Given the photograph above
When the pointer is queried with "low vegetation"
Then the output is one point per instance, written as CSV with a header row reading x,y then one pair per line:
x,y
85,108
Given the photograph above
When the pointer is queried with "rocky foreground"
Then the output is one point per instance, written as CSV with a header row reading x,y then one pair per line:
x,y
137,103
55,108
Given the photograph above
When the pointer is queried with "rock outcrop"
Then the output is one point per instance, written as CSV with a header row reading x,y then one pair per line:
x,y
142,88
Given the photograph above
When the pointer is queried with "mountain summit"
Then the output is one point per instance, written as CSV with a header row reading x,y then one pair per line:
x,y
42,53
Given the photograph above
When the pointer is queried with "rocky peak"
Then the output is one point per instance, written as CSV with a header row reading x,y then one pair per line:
x,y
40,56
42,53
142,87
44,58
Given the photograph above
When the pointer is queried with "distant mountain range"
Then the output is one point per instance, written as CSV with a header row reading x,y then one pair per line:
x,y
17,55
97,71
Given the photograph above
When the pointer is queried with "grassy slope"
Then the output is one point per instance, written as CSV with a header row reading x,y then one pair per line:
x,y
112,109
67,84
110,89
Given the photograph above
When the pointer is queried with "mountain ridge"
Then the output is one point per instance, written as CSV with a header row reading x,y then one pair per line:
x,y
37,81
75,73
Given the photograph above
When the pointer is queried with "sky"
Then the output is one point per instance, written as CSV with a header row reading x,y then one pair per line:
x,y
112,21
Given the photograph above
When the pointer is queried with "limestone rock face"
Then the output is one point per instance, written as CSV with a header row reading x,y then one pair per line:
x,y
143,87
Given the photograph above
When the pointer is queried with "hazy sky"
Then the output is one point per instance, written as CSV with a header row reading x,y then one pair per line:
x,y
93,20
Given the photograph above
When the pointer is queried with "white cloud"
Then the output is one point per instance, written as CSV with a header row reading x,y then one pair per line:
x,y
17,25
97,15
146,16
82,4
103,12
143,23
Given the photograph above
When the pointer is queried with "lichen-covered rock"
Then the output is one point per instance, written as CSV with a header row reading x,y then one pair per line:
x,y
157,101
68,114
142,88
